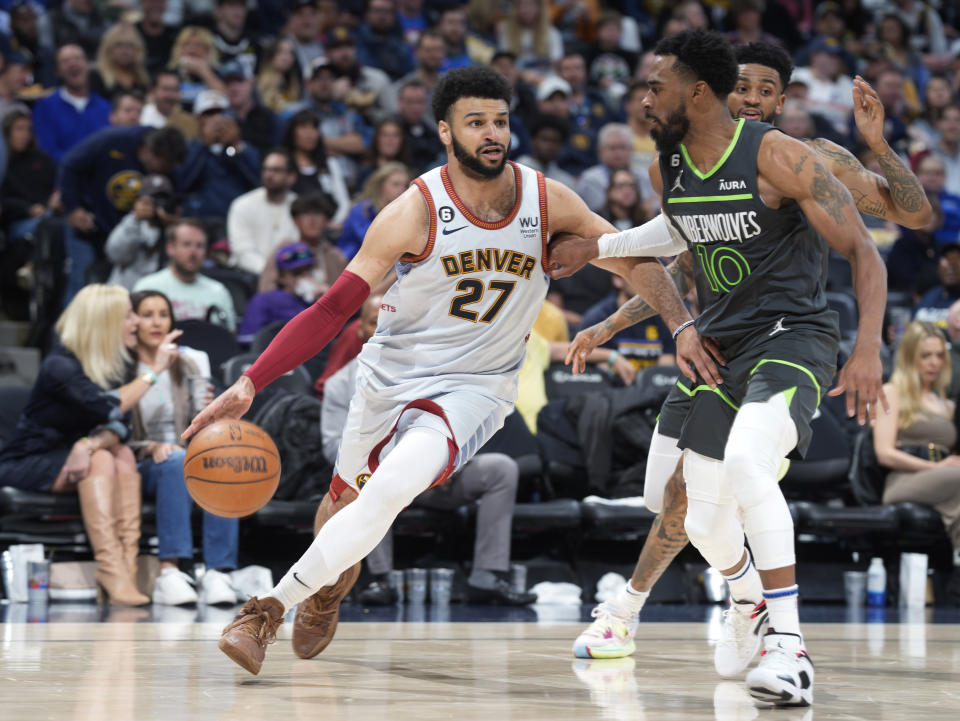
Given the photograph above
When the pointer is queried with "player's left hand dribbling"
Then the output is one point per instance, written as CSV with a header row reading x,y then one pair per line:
x,y
861,378
691,351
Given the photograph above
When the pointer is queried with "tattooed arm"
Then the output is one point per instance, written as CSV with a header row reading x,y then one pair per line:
x,y
788,169
898,195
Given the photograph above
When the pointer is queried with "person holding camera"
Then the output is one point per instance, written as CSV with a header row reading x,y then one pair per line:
x,y
133,246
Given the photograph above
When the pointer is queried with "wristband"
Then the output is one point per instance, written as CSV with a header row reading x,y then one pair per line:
x,y
680,329
149,376
613,357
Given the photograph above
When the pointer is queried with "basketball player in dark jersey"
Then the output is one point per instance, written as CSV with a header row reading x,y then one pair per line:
x,y
744,199
763,73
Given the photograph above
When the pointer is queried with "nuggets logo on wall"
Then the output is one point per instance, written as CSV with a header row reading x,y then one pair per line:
x,y
362,480
122,189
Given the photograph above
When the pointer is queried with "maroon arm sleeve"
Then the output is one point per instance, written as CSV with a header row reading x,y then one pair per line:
x,y
310,331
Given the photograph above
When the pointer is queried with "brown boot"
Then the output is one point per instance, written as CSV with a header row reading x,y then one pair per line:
x,y
96,496
128,505
245,639
317,617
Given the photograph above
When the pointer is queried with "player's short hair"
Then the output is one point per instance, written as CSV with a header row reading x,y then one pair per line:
x,y
475,81
704,55
770,56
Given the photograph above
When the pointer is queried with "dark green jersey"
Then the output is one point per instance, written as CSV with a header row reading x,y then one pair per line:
x,y
758,270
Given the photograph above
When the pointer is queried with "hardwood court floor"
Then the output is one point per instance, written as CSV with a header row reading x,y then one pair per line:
x,y
121,671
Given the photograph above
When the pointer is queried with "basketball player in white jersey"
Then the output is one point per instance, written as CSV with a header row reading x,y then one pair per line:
x,y
436,380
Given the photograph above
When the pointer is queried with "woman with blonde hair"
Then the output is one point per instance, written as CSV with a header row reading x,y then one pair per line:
x,y
278,82
527,33
916,439
70,436
194,56
121,62
384,185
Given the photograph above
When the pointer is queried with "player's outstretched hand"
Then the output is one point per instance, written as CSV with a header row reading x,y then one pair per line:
x,y
868,112
568,253
232,403
584,344
861,378
692,350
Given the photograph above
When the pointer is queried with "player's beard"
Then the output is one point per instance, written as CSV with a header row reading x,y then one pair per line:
x,y
667,135
473,164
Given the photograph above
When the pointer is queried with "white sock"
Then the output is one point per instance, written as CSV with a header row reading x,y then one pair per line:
x,y
630,599
782,605
745,585
414,463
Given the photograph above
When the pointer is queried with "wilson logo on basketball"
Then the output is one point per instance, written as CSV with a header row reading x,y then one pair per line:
x,y
239,464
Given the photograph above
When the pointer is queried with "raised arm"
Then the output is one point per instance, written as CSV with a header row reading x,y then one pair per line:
x,y
897,195
399,229
795,172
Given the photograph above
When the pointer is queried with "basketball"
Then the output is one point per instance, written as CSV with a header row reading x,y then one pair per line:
x,y
232,468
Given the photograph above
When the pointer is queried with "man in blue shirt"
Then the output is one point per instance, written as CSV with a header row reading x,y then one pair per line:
x,y
935,303
72,112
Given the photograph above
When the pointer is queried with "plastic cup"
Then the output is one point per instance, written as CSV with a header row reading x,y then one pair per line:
x,y
441,585
518,578
416,579
38,581
855,587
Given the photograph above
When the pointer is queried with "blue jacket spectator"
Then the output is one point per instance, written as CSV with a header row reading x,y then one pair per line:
x,y
219,165
103,173
384,185
72,112
935,303
380,40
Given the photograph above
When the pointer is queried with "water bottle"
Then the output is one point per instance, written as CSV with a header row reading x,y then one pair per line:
x,y
876,583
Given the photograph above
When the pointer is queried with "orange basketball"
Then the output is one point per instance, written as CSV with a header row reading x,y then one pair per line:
x,y
232,468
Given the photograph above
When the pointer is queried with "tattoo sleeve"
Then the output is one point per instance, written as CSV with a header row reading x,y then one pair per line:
x,y
905,188
637,309
827,191
667,535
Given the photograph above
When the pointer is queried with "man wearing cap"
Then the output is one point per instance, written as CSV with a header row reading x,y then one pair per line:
x,y
258,124
220,165
364,80
295,263
99,181
302,29
260,219
133,246
829,91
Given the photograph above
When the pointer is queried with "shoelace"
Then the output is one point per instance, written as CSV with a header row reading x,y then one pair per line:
x,y
311,611
258,622
613,619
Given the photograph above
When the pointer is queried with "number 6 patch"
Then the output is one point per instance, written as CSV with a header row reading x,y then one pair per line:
x,y
445,213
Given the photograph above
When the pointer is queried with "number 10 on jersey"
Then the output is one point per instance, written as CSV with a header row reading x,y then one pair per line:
x,y
473,291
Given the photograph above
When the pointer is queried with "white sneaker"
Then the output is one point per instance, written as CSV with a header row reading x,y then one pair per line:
x,y
610,636
174,588
215,589
740,637
784,676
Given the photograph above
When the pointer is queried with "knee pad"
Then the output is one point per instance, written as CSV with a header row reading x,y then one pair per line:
x,y
769,526
761,436
661,463
711,522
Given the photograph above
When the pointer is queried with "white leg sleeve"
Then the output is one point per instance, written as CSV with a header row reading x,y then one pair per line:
x,y
413,464
711,523
762,434
661,463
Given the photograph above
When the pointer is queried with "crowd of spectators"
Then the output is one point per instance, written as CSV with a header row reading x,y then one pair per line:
x,y
172,143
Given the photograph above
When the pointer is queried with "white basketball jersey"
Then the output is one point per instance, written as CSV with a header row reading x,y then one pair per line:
x,y
460,312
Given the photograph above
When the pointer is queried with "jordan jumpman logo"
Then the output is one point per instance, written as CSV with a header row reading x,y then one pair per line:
x,y
778,328
676,183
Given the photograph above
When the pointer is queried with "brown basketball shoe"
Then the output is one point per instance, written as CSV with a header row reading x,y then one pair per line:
x,y
317,617
245,639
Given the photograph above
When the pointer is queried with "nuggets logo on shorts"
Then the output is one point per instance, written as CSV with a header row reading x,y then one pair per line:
x,y
122,189
361,480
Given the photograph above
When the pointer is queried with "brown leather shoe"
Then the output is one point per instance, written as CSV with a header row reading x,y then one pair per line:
x,y
317,617
245,639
